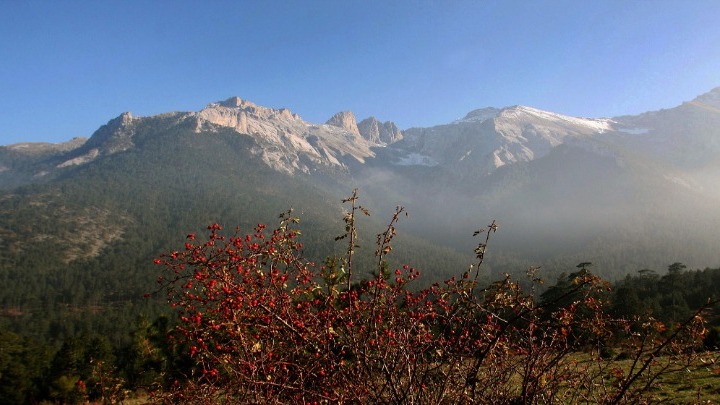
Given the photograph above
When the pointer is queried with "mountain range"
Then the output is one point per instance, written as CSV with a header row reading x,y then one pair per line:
x,y
624,193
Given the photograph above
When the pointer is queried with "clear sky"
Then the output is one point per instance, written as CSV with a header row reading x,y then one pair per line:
x,y
67,67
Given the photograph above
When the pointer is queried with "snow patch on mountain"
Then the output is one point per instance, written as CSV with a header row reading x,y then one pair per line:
x,y
21,146
498,137
416,159
634,131
683,182
597,125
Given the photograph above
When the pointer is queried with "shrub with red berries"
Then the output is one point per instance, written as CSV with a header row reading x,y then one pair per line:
x,y
265,325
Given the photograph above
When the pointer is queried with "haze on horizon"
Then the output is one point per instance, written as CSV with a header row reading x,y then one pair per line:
x,y
69,67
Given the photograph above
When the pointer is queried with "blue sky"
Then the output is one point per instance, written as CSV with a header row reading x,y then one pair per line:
x,y
67,67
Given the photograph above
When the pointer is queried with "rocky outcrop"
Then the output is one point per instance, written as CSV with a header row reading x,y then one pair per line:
x,y
236,102
345,120
113,137
709,100
379,132
285,141
242,114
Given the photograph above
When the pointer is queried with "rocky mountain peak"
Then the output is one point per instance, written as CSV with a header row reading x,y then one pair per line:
x,y
346,121
482,114
284,141
245,116
381,133
115,136
121,120
711,98
235,102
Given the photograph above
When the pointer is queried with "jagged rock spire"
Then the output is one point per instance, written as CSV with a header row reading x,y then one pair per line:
x,y
345,120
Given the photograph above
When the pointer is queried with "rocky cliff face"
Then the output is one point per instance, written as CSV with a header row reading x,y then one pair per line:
x,y
115,136
285,141
246,117
345,120
379,132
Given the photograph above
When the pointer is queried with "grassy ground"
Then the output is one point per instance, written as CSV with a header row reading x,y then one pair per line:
x,y
670,379
697,384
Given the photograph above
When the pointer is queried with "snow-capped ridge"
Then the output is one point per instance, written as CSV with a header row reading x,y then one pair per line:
x,y
496,137
518,111
598,125
479,115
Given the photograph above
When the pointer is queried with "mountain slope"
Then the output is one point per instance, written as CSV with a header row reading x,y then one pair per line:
x,y
80,222
625,193
490,138
76,251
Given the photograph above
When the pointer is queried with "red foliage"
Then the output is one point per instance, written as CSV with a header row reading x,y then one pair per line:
x,y
265,325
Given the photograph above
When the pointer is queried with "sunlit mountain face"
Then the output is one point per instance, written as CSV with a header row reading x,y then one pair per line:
x,y
624,192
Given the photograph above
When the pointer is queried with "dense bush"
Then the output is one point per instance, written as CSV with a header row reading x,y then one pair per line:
x,y
264,325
